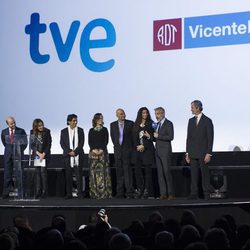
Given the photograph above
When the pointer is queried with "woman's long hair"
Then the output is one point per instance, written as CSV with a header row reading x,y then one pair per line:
x,y
35,125
96,117
139,117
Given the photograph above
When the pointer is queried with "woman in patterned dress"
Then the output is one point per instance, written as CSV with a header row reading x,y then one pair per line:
x,y
99,173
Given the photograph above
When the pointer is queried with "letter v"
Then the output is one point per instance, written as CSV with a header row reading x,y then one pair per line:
x,y
64,49
193,32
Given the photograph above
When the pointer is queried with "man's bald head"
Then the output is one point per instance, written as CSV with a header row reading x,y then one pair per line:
x,y
11,122
120,113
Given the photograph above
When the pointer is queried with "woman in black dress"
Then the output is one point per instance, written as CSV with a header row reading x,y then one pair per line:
x,y
143,152
99,173
40,141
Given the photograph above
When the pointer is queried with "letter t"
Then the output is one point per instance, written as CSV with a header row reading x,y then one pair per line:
x,y
34,29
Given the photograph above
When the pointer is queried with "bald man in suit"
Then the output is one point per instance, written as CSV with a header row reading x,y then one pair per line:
x,y
11,136
121,135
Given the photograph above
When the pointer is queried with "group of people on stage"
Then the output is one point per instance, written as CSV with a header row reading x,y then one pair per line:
x,y
133,145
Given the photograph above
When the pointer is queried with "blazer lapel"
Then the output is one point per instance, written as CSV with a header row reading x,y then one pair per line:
x,y
116,131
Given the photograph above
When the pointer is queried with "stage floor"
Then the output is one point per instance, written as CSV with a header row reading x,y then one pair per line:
x,y
121,212
75,203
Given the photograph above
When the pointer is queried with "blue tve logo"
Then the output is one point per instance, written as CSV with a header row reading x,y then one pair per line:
x,y
217,30
63,48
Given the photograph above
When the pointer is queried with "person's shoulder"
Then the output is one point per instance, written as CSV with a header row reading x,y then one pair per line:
x,y
47,131
64,129
104,129
20,129
113,123
5,129
129,122
91,130
80,129
168,121
149,123
206,118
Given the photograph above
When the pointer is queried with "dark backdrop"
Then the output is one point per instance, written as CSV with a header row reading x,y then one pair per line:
x,y
235,166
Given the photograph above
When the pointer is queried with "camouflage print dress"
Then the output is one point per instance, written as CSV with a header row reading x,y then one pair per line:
x,y
99,176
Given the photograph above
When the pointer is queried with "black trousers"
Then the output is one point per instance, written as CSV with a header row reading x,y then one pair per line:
x,y
124,176
37,181
41,185
143,178
195,165
69,172
164,174
16,169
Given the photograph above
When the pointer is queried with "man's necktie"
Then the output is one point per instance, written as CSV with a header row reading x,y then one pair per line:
x,y
11,136
120,133
196,120
159,127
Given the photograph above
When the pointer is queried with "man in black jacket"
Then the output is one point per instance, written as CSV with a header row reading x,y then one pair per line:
x,y
163,136
13,139
199,145
121,135
72,141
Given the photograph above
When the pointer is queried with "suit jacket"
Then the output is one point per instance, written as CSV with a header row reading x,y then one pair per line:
x,y
64,142
200,138
165,136
46,145
18,135
127,143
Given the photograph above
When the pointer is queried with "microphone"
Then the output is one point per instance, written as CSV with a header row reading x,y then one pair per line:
x,y
154,126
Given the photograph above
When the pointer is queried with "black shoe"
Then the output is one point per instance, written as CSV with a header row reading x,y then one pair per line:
x,y
6,196
43,196
119,196
145,194
207,196
68,197
81,195
130,196
193,197
138,194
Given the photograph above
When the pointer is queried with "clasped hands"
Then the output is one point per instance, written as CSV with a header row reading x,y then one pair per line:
x,y
97,151
41,155
72,153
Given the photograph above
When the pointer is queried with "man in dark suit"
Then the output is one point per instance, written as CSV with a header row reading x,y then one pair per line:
x,y
163,136
121,135
15,141
72,141
200,136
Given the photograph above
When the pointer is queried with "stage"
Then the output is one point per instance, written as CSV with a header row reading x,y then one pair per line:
x,y
233,165
121,212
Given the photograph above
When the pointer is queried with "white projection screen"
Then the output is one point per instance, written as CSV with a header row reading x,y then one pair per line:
x,y
83,57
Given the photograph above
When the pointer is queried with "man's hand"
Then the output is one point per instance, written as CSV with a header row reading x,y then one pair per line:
x,y
187,158
156,135
207,158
